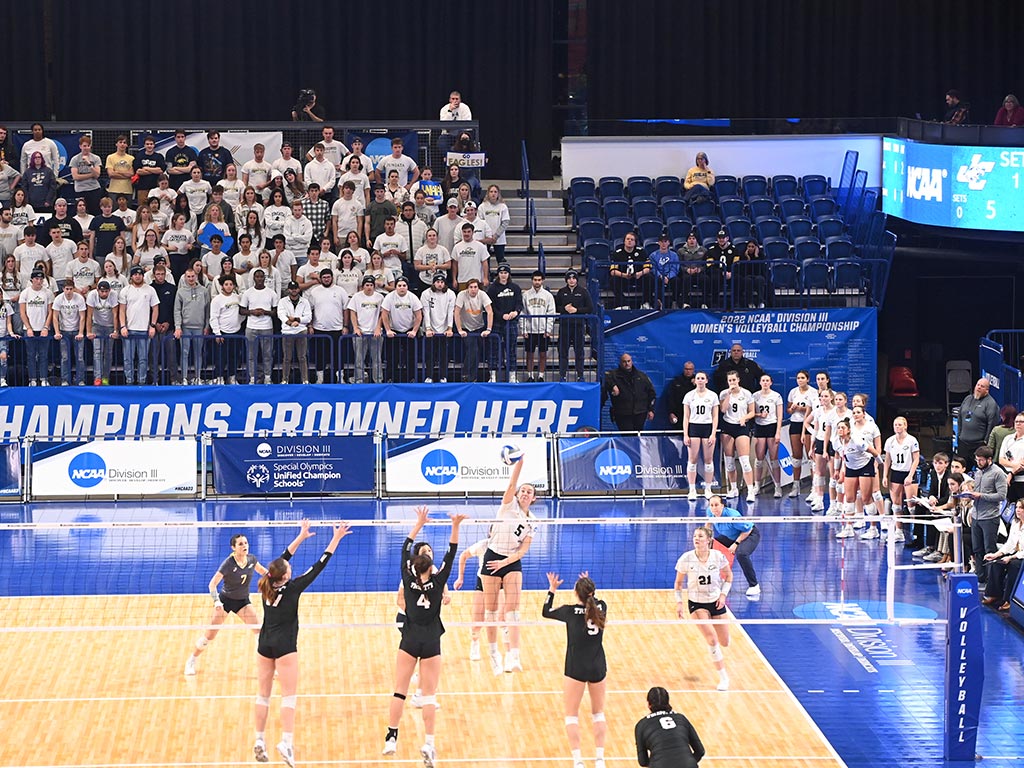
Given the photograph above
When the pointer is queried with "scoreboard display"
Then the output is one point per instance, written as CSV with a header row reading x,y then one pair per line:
x,y
953,186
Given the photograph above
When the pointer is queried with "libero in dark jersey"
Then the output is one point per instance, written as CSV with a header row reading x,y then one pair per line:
x,y
585,665
421,636
233,597
278,643
666,739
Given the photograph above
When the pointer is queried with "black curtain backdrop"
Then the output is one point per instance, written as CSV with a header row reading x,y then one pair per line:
x,y
208,61
801,58
23,61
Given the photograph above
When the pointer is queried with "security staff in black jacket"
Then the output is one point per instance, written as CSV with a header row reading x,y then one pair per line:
x,y
749,371
572,299
632,395
507,305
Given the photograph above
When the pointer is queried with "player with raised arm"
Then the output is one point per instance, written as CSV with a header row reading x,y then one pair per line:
x,y
279,635
585,664
233,597
737,408
421,636
767,434
666,739
708,580
420,547
700,420
801,401
899,472
509,541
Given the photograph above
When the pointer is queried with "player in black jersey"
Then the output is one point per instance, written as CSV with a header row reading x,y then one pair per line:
x,y
421,636
666,739
585,665
278,643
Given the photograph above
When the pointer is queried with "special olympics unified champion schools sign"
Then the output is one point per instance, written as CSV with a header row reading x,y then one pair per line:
x,y
255,466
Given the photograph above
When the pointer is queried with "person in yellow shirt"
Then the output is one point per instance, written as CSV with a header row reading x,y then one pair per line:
x,y
120,168
699,179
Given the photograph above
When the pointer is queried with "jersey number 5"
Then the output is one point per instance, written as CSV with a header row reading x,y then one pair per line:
x,y
667,723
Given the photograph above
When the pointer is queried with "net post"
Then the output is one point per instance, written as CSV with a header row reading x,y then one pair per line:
x,y
965,667
890,571
205,443
27,470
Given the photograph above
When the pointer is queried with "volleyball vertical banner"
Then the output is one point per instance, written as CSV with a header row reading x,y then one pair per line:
x,y
965,667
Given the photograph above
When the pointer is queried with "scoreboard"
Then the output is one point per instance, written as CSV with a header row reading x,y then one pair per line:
x,y
953,186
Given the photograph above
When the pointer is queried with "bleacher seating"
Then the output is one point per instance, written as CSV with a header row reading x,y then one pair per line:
x,y
806,248
815,276
755,186
784,186
668,186
586,208
674,208
581,187
644,207
611,186
615,207
799,226
639,186
726,186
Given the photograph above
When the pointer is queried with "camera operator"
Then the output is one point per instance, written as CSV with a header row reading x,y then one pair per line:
x,y
306,108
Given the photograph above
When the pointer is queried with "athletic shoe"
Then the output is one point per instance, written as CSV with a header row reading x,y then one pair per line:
x,y
598,762
496,665
778,493
429,755
444,380
190,666
932,557
922,552
846,532
578,764
416,700
474,651
390,746
692,495
708,493
259,750
44,382
428,380
870,533
795,493
810,497
733,492
97,382
818,506
512,662
751,495
287,754
859,523
898,536
723,682
754,591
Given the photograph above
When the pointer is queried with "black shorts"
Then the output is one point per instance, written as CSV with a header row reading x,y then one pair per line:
x,y
733,430
420,646
400,621
234,606
586,674
272,651
868,470
897,476
711,608
819,447
490,556
479,584
765,431
702,431
830,450
536,341
796,427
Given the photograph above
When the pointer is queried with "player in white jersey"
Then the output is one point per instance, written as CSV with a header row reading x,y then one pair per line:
x,y
509,541
839,412
476,612
859,454
736,405
708,579
801,400
861,399
700,420
815,425
899,472
768,411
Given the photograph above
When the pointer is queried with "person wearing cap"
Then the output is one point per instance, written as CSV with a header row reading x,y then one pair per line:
x,y
163,363
470,257
100,323
139,306
69,331
693,281
415,233
507,305
474,319
572,299
191,324
35,305
365,163
482,231
363,313
328,302
295,314
431,257
180,159
70,229
256,172
718,261
438,323
699,179
630,268
401,315
666,270
226,327
538,324
408,171
392,246
449,226
377,212
258,305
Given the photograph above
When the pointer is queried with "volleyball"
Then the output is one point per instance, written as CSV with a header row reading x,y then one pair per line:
x,y
510,454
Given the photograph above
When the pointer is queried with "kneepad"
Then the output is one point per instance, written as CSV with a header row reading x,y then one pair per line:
x,y
262,701
709,469
202,642
572,721
730,464
745,463
491,617
716,653
691,469
877,497
288,702
512,617
429,701
598,717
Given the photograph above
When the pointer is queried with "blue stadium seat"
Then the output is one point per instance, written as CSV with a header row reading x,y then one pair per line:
x,y
784,186
650,228
848,276
581,186
738,228
589,229
668,186
617,229
759,207
596,249
611,186
806,248
644,207
679,228
732,206
766,227
816,277
823,208
639,186
615,208
837,248
703,208
673,208
586,208
814,186
799,226
830,226
707,229
792,206
726,186
775,249
755,186
784,277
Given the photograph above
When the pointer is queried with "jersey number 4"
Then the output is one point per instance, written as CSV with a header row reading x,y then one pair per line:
x,y
423,602
667,723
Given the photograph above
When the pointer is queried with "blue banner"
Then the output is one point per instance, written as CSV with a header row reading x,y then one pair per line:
x,y
297,408
254,466
843,342
10,469
965,667
628,463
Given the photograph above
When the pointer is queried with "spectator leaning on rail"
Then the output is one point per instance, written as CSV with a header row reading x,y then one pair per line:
x,y
632,395
979,415
750,372
958,112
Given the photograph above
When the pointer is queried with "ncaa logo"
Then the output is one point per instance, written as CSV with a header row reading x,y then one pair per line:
x,y
87,470
263,450
964,590
613,466
439,467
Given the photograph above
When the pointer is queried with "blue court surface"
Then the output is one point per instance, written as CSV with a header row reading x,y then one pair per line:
x,y
876,692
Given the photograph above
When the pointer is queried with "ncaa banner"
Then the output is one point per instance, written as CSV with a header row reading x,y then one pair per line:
x,y
463,464
626,463
253,466
965,667
843,342
114,467
334,409
10,469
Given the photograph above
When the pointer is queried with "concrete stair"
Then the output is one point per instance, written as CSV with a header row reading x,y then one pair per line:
x,y
554,230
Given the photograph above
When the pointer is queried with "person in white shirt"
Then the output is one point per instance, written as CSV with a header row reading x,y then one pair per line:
x,y
347,213
768,415
328,302
482,231
432,257
83,270
334,151
231,186
408,171
139,307
258,305
364,318
473,315
1011,459
308,275
455,109
449,226
365,162
165,196
226,326
393,191
30,252
100,324
538,323
470,258
10,235
35,304
198,192
39,143
256,172
69,330
61,251
84,219
700,422
392,246
355,172
276,214
298,232
321,171
295,314
401,316
438,324
284,162
495,212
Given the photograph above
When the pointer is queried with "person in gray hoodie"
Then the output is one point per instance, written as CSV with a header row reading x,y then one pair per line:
x,y
988,494
191,323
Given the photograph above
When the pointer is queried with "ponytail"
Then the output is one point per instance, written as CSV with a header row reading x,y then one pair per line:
x,y
270,582
585,592
657,700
